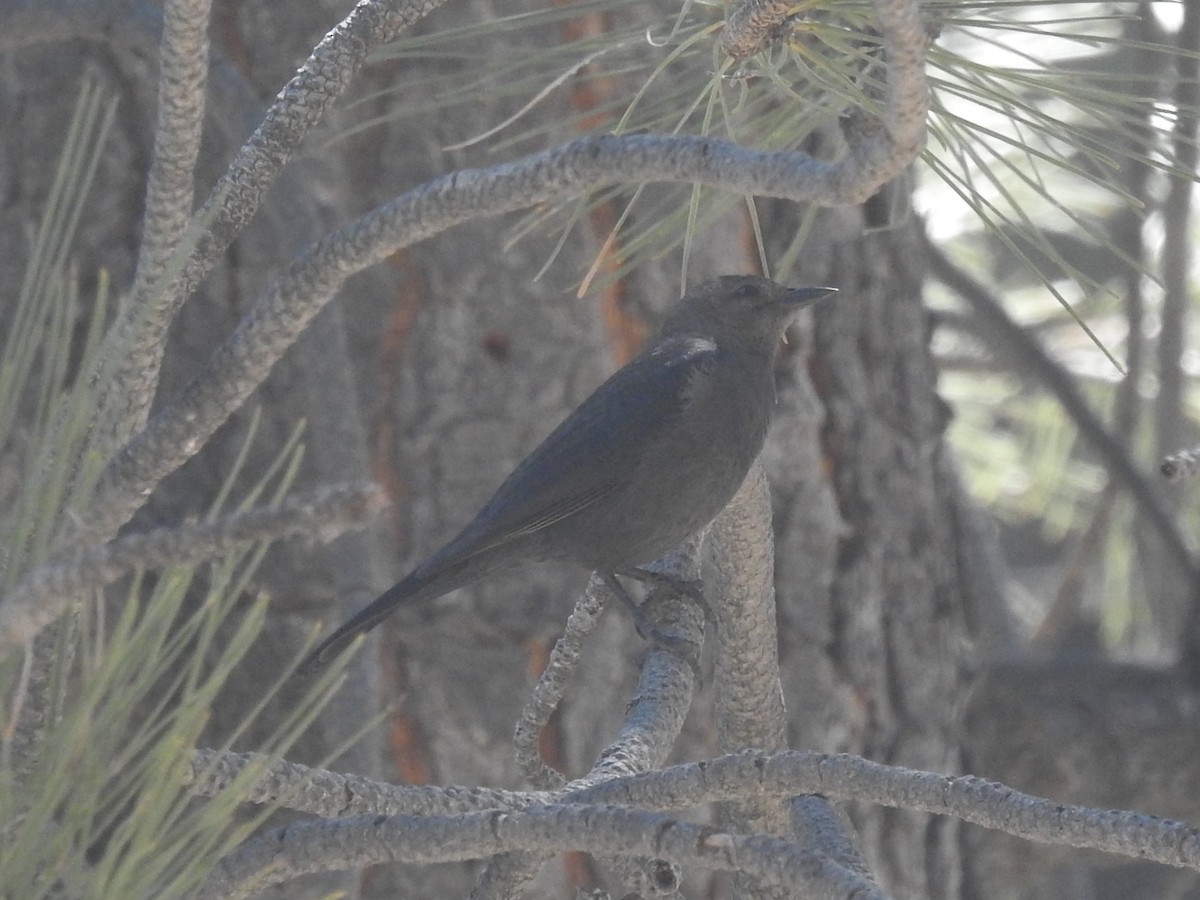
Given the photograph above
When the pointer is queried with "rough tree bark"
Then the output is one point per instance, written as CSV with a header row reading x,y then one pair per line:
x,y
439,370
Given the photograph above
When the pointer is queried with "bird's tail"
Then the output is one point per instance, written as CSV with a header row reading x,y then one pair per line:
x,y
427,582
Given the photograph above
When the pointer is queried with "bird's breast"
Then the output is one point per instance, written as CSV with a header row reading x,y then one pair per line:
x,y
690,470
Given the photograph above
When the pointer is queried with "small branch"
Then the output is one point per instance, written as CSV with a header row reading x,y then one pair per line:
x,y
345,843
140,333
320,516
1180,464
334,795
823,826
655,717
653,720
748,701
882,153
966,797
299,106
552,684
741,776
752,774
183,79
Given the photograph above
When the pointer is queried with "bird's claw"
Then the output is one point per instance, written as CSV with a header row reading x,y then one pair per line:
x,y
668,639
692,588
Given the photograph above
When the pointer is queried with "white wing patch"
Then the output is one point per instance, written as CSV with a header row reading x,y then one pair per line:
x,y
697,353
684,349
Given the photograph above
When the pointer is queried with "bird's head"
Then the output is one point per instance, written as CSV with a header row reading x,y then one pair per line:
x,y
747,309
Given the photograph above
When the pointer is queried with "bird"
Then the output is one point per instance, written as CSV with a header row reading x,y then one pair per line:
x,y
643,463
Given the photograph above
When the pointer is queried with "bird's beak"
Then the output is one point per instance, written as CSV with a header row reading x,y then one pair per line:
x,y
798,298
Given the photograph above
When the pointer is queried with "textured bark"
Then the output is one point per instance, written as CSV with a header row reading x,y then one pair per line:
x,y
456,364
316,383
1085,731
872,631
436,372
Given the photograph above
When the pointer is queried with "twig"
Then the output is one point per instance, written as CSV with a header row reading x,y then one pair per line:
x,y
343,843
322,516
1180,464
140,331
300,105
552,684
967,797
653,720
334,795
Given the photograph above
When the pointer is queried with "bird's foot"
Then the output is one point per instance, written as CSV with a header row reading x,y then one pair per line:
x,y
644,626
692,588
668,639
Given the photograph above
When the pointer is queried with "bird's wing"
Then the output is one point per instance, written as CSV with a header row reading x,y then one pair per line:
x,y
595,450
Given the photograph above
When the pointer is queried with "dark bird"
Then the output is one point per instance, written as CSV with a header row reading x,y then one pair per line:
x,y
644,462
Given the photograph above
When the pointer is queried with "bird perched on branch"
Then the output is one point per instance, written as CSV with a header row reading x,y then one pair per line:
x,y
647,460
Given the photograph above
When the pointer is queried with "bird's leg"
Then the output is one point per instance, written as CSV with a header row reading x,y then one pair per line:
x,y
645,628
672,643
693,589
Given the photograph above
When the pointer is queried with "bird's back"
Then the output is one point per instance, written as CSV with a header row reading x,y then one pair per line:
x,y
648,459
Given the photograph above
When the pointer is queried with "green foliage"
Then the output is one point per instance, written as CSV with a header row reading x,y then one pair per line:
x,y
1024,101
44,428
94,750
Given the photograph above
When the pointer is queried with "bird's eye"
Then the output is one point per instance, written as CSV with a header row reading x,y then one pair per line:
x,y
747,291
